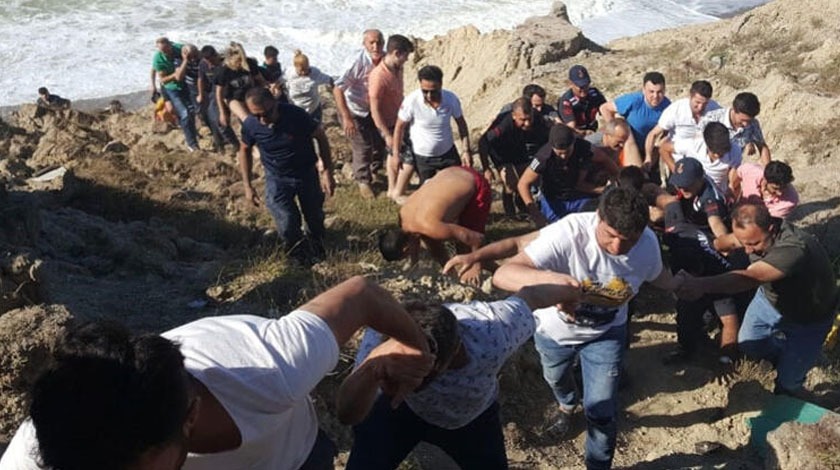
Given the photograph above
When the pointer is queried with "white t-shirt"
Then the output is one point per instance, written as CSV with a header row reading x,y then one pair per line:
x,y
569,246
431,129
354,83
303,89
261,370
679,121
718,170
490,333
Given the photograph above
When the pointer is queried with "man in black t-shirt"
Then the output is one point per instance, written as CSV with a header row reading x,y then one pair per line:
x,y
562,165
284,133
510,143
792,311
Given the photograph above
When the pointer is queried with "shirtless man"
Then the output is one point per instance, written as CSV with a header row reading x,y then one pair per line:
x,y
452,205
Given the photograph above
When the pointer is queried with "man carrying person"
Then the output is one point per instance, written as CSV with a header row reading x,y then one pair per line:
x,y
510,143
564,164
694,218
353,103
228,392
170,63
456,407
642,110
293,171
744,129
430,111
721,158
612,247
386,95
580,104
681,123
792,311
453,205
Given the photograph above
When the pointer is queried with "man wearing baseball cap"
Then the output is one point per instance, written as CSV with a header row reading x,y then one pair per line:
x,y
579,105
694,217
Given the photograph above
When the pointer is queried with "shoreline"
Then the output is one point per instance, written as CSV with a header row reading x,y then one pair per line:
x,y
136,100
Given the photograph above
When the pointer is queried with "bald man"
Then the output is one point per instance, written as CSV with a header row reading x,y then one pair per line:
x,y
452,205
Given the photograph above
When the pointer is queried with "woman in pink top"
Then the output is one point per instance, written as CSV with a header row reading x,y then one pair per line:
x,y
771,183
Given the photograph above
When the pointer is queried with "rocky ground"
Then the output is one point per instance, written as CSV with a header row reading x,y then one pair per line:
x,y
138,230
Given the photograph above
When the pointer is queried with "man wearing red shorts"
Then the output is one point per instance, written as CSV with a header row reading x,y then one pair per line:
x,y
452,205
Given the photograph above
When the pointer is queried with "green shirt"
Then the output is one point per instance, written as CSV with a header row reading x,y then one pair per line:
x,y
162,63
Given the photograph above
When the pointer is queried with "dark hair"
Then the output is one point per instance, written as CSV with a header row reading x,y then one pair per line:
x,y
777,172
631,177
260,96
392,244
746,103
702,88
561,137
108,398
522,104
624,209
716,136
399,43
270,51
533,89
752,212
208,52
43,91
440,324
654,77
431,73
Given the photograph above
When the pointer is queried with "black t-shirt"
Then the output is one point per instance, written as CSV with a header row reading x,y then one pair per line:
x,y
808,292
271,73
286,148
237,82
508,144
560,176
191,73
584,111
208,72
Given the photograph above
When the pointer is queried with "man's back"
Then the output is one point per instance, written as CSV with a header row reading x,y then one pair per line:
x,y
441,198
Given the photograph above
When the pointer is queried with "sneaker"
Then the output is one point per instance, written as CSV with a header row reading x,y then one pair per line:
x,y
562,426
366,191
191,149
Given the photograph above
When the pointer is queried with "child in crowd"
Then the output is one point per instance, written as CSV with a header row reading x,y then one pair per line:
x,y
303,85
272,73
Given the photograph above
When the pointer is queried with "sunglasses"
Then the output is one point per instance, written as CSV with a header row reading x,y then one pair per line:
x,y
433,92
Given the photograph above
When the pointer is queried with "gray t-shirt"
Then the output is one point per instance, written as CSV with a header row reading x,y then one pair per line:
x,y
807,293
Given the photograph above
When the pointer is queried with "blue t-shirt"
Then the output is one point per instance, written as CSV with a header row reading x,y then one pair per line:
x,y
286,148
641,117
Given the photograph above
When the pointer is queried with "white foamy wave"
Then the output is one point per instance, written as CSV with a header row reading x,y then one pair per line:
x,y
95,48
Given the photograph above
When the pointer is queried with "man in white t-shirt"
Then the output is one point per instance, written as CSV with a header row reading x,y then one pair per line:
x,y
608,247
430,111
228,392
742,122
456,409
681,122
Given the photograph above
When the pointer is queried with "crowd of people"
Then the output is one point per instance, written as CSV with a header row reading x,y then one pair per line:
x,y
232,392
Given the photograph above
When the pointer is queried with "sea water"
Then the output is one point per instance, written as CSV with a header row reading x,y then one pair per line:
x,y
95,48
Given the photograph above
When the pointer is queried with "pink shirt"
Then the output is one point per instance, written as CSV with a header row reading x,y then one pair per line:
x,y
751,175
388,87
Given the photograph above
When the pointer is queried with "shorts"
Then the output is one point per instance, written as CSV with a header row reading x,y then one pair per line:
x,y
477,211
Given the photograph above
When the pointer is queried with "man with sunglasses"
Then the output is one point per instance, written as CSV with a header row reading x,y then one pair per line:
x,y
429,111
580,104
456,407
293,170
792,311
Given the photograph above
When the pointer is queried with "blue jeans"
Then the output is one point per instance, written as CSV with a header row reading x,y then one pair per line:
x,y
600,361
180,100
793,348
280,195
555,209
221,135
386,437
322,455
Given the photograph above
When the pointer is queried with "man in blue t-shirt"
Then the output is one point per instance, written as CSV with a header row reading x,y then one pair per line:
x,y
283,133
641,110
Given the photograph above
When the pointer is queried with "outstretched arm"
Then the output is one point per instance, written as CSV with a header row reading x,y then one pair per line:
x,y
492,252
